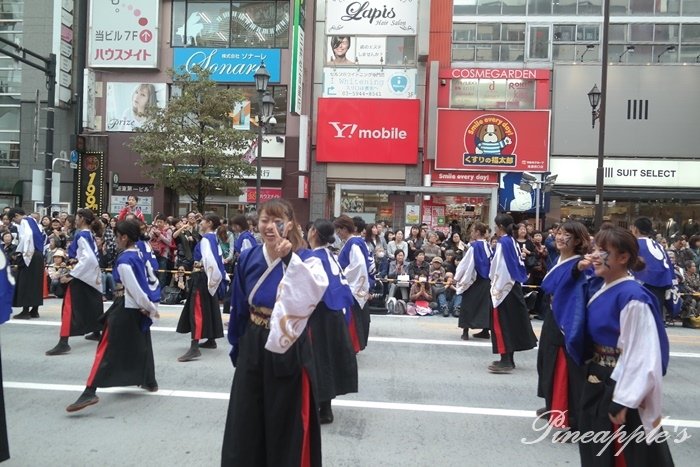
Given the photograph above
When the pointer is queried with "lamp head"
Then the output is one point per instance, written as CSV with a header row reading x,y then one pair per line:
x,y
529,177
268,105
525,186
594,97
262,77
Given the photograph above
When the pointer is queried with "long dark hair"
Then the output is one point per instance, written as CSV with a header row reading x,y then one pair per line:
x,y
325,230
506,222
369,236
214,219
93,221
130,228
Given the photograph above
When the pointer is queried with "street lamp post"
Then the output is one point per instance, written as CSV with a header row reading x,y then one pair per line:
x,y
596,98
267,103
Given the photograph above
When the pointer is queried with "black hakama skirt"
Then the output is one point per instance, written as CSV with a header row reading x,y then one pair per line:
x,y
201,315
360,321
559,378
475,311
511,330
272,413
125,353
29,290
593,417
81,310
334,356
4,443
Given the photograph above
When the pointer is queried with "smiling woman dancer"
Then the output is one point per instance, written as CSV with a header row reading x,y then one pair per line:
x,y
272,418
630,356
125,354
82,305
560,377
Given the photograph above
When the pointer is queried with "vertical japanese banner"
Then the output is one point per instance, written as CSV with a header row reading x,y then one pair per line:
x,y
91,181
123,34
297,76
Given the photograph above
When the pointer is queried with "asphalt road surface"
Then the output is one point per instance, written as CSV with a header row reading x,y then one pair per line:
x,y
426,399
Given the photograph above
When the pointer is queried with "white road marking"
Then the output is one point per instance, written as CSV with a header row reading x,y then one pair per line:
x,y
355,404
404,340
389,340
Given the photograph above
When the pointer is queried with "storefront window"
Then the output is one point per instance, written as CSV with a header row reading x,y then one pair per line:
x,y
219,23
401,210
492,94
623,213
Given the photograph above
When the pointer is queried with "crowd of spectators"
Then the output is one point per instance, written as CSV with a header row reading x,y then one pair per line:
x,y
419,266
172,239
684,253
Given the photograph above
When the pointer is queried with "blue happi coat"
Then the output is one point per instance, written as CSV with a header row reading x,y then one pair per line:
x,y
603,315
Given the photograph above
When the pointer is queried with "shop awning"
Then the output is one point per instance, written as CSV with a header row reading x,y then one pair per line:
x,y
629,193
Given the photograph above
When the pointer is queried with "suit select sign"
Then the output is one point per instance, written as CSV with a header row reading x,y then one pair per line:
x,y
508,141
376,131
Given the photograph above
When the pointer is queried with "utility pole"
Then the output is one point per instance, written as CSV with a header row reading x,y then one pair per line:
x,y
48,66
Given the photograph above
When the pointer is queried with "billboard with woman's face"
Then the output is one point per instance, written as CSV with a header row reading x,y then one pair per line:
x,y
127,104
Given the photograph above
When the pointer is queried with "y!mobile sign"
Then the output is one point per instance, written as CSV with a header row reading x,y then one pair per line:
x,y
123,33
371,17
381,131
508,141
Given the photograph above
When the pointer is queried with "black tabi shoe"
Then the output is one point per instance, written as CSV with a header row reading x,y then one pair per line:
x,y
501,367
95,336
22,315
34,314
86,399
484,334
465,335
191,354
209,344
60,349
151,387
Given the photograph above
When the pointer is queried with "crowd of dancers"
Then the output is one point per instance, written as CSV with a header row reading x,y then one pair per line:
x,y
298,316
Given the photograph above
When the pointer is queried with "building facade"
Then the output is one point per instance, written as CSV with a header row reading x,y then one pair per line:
x,y
23,103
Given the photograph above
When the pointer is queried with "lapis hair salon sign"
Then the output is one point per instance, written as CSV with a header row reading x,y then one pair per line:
x,y
371,17
229,65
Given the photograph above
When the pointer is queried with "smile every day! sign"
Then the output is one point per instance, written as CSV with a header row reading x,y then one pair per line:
x,y
229,65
